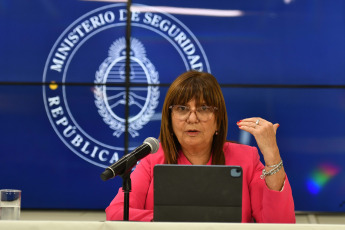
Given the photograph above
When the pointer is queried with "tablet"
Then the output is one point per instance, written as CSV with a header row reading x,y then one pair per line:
x,y
197,193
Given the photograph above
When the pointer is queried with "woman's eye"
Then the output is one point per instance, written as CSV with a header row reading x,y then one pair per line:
x,y
182,108
203,108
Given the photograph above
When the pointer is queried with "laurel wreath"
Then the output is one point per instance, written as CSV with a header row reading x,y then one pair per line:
x,y
116,125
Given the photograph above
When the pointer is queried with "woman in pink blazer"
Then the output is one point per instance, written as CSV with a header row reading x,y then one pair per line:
x,y
193,132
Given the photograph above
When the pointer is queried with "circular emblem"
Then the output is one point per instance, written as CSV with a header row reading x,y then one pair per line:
x,y
109,98
84,89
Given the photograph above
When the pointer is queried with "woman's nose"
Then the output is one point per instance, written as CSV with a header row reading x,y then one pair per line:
x,y
192,117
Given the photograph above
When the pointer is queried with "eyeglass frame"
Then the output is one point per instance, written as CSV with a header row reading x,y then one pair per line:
x,y
195,111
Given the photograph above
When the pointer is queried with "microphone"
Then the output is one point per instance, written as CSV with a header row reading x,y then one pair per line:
x,y
121,166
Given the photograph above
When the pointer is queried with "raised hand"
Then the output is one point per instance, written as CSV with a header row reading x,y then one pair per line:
x,y
264,133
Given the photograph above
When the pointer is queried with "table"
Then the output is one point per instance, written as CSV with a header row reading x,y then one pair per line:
x,y
119,225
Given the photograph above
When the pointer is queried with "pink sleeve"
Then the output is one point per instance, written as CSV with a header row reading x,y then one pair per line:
x,y
269,206
141,178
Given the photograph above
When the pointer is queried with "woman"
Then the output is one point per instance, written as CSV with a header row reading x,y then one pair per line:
x,y
193,131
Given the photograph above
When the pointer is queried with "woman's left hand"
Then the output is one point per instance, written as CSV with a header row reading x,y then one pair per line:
x,y
265,136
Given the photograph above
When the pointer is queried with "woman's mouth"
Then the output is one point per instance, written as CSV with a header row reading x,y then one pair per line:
x,y
192,132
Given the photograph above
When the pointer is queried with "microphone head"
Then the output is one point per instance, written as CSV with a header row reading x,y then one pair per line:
x,y
153,143
107,174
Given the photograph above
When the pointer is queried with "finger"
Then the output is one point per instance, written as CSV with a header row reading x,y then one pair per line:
x,y
248,129
253,119
275,127
251,122
246,123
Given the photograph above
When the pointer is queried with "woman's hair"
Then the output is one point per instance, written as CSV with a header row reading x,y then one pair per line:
x,y
204,88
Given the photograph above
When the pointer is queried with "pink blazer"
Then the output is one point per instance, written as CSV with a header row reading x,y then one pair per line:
x,y
258,201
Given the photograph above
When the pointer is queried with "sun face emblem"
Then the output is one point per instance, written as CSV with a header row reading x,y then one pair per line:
x,y
110,97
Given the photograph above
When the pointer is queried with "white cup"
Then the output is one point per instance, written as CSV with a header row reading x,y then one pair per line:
x,y
10,200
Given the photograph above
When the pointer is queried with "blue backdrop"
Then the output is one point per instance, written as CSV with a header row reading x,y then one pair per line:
x,y
62,88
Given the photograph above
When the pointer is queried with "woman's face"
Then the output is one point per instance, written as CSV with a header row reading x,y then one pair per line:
x,y
193,133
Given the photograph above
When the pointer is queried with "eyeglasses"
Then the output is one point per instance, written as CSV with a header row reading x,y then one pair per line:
x,y
203,113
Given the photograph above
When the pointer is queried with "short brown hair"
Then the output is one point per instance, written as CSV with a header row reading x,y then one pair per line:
x,y
203,87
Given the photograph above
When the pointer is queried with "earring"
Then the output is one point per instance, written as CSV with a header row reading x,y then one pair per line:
x,y
216,133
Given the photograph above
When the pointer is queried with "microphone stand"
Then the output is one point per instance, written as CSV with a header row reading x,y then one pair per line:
x,y
126,188
127,185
